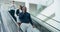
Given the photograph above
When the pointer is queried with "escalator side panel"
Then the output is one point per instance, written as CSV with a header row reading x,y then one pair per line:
x,y
9,25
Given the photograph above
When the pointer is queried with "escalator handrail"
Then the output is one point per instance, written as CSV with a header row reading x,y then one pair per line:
x,y
12,18
38,24
45,22
2,25
51,18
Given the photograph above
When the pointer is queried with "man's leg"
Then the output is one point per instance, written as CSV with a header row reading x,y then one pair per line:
x,y
24,27
30,28
35,30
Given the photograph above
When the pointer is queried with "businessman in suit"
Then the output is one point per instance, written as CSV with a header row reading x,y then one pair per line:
x,y
25,19
12,10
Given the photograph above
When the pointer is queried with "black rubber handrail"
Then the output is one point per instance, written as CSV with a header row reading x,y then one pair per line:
x,y
46,23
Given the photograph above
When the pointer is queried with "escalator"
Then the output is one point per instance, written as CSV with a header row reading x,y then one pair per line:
x,y
44,26
0,22
2,29
10,25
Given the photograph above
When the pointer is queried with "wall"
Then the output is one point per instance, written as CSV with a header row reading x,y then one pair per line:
x,y
43,2
57,9
33,9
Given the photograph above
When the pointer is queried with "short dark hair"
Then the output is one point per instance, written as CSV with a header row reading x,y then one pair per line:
x,y
21,7
13,1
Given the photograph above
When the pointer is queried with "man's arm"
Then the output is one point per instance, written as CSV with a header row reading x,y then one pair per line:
x,y
17,12
30,20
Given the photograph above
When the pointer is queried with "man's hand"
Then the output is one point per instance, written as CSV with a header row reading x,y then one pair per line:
x,y
33,26
19,23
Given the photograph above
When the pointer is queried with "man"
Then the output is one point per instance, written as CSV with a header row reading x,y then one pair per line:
x,y
12,10
25,19
19,10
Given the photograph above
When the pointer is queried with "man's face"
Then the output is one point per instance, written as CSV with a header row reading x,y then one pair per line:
x,y
24,9
12,2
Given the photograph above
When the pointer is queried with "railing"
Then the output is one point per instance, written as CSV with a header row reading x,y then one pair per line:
x,y
15,22
9,23
2,28
40,27
0,22
50,18
35,18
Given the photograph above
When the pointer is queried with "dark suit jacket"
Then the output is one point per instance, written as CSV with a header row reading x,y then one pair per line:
x,y
17,12
25,18
12,12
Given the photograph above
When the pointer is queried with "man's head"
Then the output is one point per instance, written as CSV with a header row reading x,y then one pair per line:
x,y
24,9
20,7
13,2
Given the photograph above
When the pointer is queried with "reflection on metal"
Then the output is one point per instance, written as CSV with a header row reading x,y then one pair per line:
x,y
51,16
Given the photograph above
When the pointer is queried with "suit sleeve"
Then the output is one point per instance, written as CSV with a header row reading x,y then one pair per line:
x,y
30,20
17,12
